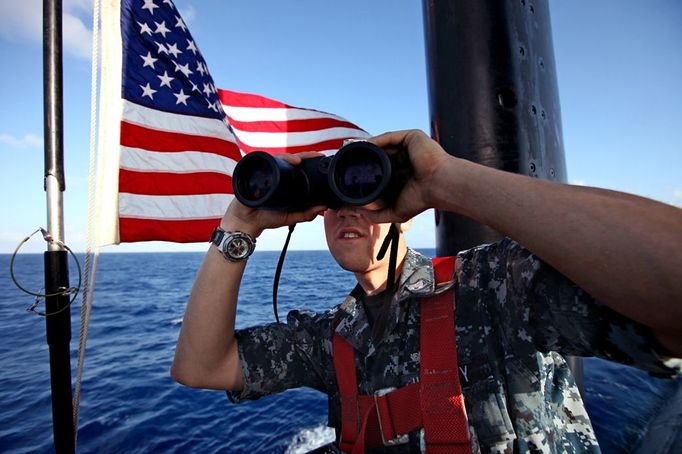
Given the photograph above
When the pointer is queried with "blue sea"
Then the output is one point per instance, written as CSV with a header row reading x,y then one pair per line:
x,y
129,404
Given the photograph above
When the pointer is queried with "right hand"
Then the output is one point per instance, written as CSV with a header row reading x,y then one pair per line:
x,y
253,221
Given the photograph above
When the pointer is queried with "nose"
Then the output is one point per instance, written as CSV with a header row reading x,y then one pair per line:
x,y
348,211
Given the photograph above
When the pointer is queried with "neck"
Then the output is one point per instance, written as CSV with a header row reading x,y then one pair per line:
x,y
373,281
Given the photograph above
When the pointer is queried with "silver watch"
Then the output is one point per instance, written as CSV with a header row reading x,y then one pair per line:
x,y
235,246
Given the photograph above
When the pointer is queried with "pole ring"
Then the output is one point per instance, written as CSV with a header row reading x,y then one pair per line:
x,y
63,291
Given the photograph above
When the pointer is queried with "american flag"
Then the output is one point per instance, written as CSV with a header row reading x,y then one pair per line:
x,y
172,138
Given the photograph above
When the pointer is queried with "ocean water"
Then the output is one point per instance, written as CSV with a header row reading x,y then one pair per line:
x,y
129,404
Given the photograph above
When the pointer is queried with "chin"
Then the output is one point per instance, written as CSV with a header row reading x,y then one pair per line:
x,y
353,264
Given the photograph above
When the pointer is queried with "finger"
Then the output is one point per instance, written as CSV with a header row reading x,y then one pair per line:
x,y
305,216
390,139
296,158
290,158
308,154
381,216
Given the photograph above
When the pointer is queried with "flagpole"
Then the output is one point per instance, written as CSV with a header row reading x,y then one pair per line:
x,y
58,318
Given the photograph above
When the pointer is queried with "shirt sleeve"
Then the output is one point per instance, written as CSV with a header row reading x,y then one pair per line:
x,y
281,356
562,317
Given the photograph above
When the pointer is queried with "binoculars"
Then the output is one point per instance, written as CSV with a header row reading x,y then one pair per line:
x,y
359,174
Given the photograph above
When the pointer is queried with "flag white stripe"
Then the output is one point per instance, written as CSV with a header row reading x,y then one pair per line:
x,y
175,207
165,121
178,162
275,113
294,139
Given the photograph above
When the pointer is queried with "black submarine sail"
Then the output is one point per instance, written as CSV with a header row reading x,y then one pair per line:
x,y
493,99
493,96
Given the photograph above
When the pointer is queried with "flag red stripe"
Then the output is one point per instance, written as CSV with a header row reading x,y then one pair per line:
x,y
153,140
333,144
236,99
166,183
184,231
303,125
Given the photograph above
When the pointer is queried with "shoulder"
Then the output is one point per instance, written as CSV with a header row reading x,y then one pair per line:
x,y
502,260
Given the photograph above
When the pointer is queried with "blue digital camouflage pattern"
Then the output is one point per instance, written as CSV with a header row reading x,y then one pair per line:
x,y
515,316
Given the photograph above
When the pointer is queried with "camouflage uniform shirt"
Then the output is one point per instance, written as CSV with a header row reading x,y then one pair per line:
x,y
515,315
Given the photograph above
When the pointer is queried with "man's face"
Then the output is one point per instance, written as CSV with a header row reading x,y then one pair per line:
x,y
353,241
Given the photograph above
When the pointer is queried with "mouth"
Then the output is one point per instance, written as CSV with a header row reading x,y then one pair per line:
x,y
349,234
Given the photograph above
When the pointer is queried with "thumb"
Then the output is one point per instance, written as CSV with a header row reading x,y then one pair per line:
x,y
382,216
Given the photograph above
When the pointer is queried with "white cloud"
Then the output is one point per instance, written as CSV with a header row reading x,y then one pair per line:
x,y
188,13
579,182
28,141
77,37
23,20
677,197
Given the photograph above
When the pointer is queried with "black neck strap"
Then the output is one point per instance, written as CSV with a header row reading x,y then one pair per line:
x,y
278,271
392,239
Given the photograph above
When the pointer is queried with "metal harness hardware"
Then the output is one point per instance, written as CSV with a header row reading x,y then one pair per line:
x,y
435,403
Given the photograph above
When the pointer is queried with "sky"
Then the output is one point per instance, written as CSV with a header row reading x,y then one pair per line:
x,y
619,70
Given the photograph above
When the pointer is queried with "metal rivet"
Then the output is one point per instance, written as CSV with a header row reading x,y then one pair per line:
x,y
552,172
522,51
533,109
532,167
506,98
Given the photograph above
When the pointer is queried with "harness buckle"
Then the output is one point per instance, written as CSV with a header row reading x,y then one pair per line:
x,y
381,407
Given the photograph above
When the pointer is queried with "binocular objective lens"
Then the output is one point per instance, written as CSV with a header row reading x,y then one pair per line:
x,y
360,178
259,182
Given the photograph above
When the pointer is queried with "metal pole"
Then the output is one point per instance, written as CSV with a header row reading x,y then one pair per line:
x,y
58,325
493,98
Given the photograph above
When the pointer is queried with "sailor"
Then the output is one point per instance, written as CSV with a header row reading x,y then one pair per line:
x,y
582,271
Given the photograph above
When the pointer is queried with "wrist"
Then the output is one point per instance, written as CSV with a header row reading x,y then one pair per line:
x,y
234,225
449,185
235,246
236,220
474,190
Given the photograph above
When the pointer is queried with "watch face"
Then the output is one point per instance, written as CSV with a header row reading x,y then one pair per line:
x,y
238,248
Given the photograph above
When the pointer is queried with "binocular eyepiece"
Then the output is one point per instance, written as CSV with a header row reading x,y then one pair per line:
x,y
359,174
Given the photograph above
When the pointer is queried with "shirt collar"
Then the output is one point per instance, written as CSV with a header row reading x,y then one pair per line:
x,y
416,281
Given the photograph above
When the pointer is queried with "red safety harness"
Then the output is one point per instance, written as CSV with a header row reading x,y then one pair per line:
x,y
434,403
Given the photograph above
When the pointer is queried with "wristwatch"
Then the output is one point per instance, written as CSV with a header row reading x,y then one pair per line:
x,y
235,246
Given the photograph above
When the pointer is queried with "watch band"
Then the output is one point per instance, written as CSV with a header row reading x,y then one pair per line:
x,y
234,246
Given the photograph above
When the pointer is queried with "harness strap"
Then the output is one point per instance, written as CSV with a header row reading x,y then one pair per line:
x,y
352,404
370,421
442,402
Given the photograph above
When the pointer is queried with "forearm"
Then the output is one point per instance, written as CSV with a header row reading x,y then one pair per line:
x,y
624,250
206,355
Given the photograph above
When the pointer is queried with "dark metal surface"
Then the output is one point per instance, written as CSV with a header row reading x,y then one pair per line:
x,y
493,96
52,90
493,99
58,328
